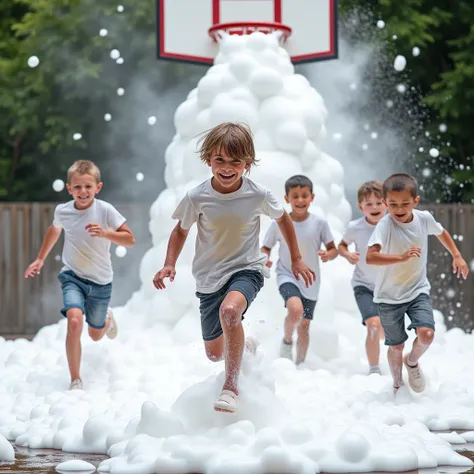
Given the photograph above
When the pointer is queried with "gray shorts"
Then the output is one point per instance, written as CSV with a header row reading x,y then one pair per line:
x,y
247,282
288,290
365,301
392,317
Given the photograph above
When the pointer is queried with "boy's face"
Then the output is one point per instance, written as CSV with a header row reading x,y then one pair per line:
x,y
83,188
401,204
373,208
300,199
227,172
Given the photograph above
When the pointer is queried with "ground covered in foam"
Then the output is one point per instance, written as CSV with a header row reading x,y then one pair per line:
x,y
148,403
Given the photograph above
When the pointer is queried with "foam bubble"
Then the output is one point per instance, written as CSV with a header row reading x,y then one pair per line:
x,y
103,32
400,63
434,152
120,251
115,54
58,185
380,24
33,61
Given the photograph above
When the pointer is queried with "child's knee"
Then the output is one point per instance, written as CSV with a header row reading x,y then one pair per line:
x,y
214,350
295,310
74,322
398,348
425,335
230,315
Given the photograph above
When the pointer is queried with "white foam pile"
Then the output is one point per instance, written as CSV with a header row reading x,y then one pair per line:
x,y
149,394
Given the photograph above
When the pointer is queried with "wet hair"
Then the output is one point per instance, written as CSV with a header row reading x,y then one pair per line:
x,y
298,181
400,182
369,188
82,167
234,139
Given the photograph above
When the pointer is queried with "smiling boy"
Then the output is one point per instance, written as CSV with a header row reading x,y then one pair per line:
x,y
311,232
399,245
89,225
228,265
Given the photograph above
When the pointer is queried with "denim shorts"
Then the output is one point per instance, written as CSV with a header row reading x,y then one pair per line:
x,y
91,298
365,301
392,317
289,290
247,282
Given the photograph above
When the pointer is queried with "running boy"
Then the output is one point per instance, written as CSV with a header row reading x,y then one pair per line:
x,y
399,245
358,232
86,278
311,232
228,263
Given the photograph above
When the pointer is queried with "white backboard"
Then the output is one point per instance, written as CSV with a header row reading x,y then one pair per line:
x,y
182,26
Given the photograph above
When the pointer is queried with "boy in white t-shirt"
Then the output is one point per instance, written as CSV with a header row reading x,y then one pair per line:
x,y
311,232
358,232
90,225
399,245
228,265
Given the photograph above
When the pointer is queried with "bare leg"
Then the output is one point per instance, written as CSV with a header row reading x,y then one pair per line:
x,y
295,314
98,334
215,349
395,355
231,311
372,342
423,340
303,341
73,342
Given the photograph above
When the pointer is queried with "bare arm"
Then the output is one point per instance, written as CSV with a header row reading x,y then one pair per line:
x,y
351,257
374,257
175,246
122,236
459,265
50,239
330,253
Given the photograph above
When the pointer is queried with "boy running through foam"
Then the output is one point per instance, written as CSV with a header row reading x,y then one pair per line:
x,y
399,245
228,264
311,232
90,225
359,231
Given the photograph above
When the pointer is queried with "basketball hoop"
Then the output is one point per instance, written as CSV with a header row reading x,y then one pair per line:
x,y
217,32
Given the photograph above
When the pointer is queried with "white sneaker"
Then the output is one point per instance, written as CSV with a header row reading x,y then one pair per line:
x,y
286,350
113,329
76,385
251,345
416,379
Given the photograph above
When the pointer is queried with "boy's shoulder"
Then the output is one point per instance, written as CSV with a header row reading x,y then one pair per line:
x,y
360,222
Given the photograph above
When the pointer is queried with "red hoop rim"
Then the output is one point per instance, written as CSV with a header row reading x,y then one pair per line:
x,y
248,27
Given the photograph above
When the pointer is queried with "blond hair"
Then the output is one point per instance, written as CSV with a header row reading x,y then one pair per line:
x,y
82,167
369,188
234,139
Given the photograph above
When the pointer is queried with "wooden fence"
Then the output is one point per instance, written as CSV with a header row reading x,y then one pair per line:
x,y
27,305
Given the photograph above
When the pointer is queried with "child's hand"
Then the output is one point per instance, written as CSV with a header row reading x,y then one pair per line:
x,y
269,264
414,252
353,257
166,272
460,267
34,268
95,230
300,268
324,255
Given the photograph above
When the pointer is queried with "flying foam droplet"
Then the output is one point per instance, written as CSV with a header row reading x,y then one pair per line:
x,y
103,32
389,104
426,172
380,24
107,117
115,54
421,149
367,127
353,87
401,88
443,128
400,63
415,51
365,147
121,251
120,91
394,37
434,152
151,120
140,176
119,61
120,8
58,185
374,135
337,137
33,61
77,136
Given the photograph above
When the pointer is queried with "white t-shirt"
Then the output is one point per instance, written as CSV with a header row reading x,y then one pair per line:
x,y
403,282
358,232
88,257
310,233
228,228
